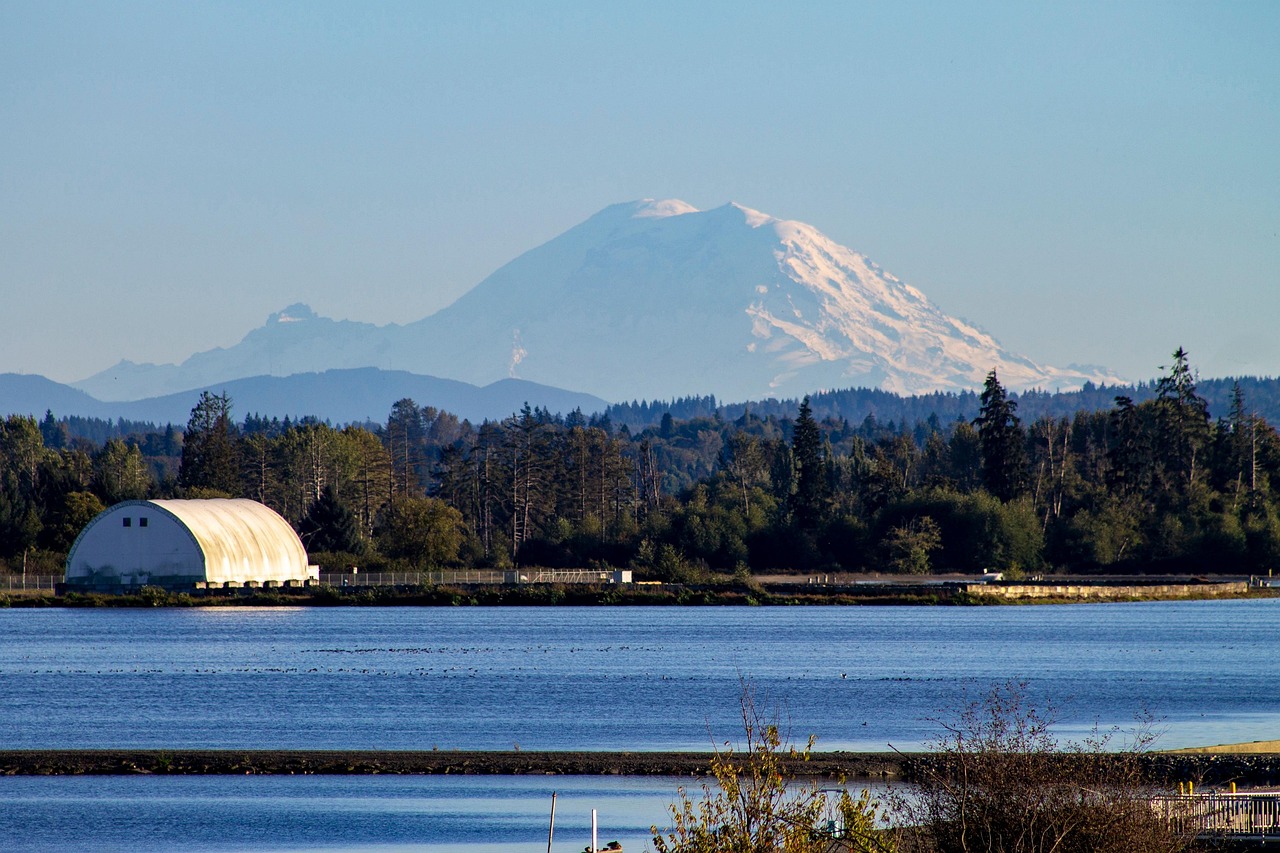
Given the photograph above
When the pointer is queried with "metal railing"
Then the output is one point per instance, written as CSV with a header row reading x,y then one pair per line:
x,y
560,576
1229,815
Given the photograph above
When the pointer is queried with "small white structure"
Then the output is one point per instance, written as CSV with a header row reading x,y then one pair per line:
x,y
187,544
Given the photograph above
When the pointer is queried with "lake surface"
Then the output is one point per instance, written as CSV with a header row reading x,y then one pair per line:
x,y
566,678
619,678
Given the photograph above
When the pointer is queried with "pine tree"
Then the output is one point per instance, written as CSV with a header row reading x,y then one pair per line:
x,y
55,433
120,473
22,453
404,436
1129,454
211,452
811,495
1182,425
527,447
330,526
1004,452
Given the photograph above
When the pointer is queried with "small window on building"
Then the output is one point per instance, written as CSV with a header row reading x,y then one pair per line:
x,y
142,522
128,522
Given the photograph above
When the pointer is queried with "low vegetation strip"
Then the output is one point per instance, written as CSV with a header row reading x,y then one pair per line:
x,y
1256,769
789,594
68,762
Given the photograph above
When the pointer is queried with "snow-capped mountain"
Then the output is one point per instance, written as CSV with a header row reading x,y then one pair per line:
x,y
652,299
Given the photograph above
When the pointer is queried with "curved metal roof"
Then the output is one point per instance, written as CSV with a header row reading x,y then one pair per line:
x,y
241,539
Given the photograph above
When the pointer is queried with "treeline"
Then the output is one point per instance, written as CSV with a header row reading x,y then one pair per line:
x,y
850,404
1149,483
855,404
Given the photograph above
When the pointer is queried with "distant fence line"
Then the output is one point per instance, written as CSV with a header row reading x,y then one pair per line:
x,y
12,583
475,576
15,583
478,576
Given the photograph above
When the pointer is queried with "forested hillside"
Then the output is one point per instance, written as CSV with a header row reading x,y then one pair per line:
x,y
1148,481
855,404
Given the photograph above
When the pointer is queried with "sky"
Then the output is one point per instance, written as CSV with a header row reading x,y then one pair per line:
x,y
1093,183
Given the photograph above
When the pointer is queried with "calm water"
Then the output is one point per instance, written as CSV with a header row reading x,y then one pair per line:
x,y
424,814
590,678
611,678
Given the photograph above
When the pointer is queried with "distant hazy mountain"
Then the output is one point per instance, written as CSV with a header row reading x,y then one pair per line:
x,y
29,394
653,299
341,396
294,340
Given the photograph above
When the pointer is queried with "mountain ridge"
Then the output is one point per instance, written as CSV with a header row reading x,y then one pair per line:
x,y
651,298
351,395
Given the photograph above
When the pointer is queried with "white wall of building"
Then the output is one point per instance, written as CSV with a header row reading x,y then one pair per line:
x,y
177,543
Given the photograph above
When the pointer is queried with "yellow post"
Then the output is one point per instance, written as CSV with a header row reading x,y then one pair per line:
x,y
1233,787
1191,789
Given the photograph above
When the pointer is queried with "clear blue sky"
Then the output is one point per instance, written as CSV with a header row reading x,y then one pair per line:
x,y
1090,182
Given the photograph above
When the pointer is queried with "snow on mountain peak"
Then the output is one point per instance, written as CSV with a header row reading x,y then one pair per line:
x,y
295,313
656,299
648,208
754,218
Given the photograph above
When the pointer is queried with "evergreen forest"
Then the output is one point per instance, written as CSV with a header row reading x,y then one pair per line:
x,y
1146,482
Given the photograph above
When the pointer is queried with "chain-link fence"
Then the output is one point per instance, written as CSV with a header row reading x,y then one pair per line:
x,y
471,576
14,583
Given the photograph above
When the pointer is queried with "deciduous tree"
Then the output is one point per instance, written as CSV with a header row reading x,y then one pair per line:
x,y
424,532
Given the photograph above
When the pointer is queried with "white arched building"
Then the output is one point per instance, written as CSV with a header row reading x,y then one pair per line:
x,y
187,545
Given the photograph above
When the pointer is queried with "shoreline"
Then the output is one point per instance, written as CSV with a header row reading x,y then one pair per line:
x,y
1204,768
197,762
945,594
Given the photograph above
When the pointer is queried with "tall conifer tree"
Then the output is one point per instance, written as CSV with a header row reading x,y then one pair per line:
x,y
211,452
1182,423
809,500
1004,451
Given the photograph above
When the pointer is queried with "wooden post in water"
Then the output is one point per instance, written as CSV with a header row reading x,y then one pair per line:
x,y
551,830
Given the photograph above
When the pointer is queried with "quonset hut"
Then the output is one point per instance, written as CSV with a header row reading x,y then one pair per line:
x,y
183,545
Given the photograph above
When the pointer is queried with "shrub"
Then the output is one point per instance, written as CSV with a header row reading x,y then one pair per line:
x,y
999,782
755,808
